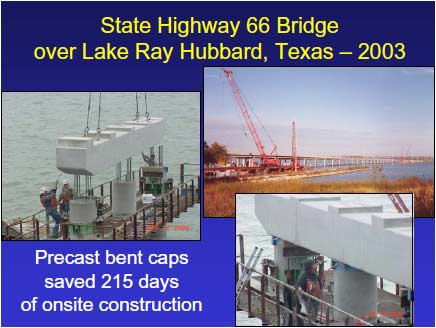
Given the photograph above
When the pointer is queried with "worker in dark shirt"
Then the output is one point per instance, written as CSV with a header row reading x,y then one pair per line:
x,y
49,202
291,302
310,282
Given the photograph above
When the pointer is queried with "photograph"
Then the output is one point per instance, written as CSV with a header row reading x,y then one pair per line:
x,y
318,129
100,165
324,259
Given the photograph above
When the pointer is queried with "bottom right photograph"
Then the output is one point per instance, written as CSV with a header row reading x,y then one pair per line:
x,y
324,260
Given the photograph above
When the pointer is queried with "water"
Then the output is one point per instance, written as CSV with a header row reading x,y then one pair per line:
x,y
390,171
31,123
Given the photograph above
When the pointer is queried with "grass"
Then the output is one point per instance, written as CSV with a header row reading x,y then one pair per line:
x,y
219,195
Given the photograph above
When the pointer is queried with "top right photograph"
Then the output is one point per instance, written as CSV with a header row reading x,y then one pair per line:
x,y
318,130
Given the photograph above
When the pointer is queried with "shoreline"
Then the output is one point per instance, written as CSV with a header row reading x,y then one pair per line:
x,y
219,195
303,176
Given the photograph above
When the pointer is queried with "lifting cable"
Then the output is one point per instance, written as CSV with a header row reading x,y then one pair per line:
x,y
257,118
87,119
147,114
242,122
99,111
137,108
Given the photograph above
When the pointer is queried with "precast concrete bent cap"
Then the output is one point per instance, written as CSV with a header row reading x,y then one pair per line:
x,y
88,155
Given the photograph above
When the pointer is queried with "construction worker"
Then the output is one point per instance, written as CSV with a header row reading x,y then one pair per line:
x,y
64,198
291,303
49,202
310,282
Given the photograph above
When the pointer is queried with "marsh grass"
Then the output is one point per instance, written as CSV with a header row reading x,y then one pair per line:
x,y
219,195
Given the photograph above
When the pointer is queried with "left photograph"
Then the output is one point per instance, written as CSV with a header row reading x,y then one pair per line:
x,y
100,165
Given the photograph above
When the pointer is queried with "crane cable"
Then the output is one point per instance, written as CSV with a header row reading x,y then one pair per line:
x,y
137,108
257,118
87,119
242,122
147,114
99,112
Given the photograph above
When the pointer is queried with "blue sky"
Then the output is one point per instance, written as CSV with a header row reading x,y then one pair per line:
x,y
337,111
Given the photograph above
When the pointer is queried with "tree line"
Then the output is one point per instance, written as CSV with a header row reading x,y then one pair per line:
x,y
215,153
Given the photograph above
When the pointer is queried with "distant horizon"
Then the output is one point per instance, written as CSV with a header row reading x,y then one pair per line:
x,y
378,111
255,152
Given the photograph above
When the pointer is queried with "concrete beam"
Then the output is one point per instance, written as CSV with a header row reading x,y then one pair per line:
x,y
363,237
89,155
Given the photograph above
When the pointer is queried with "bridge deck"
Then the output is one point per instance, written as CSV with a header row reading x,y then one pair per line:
x,y
362,236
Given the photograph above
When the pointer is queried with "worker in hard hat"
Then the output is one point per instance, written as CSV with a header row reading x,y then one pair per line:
x,y
310,282
64,198
49,202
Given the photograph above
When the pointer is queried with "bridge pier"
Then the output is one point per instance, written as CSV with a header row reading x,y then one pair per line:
x,y
350,282
290,257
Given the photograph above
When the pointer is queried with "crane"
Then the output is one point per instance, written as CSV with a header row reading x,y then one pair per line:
x,y
267,160
398,203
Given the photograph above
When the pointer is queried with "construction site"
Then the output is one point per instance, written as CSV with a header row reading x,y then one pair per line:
x,y
239,164
137,204
291,171
362,252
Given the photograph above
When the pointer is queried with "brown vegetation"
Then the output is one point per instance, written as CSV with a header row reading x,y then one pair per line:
x,y
219,196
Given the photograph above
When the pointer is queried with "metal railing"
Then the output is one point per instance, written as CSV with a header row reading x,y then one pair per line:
x,y
281,312
322,319
164,209
182,171
149,217
90,192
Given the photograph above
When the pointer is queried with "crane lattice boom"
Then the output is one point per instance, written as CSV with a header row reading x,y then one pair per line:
x,y
266,159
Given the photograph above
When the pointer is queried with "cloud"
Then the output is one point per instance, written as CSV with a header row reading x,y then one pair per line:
x,y
418,71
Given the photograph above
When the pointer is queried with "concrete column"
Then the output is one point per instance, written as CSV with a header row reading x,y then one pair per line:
x,y
123,198
355,291
83,210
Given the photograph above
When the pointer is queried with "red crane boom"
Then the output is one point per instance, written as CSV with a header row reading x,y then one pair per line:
x,y
266,159
398,203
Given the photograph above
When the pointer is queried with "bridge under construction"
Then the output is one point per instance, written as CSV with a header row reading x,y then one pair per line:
x,y
131,206
364,241
264,161
244,162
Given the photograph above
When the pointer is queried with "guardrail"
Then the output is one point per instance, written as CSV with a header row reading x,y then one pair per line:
x,y
145,220
284,316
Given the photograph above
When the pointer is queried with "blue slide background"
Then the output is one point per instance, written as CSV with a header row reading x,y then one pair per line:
x,y
210,274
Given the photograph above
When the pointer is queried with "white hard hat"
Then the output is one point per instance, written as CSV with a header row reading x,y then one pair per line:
x,y
66,182
43,190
